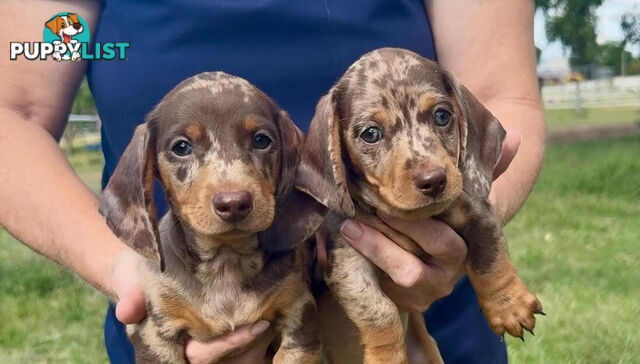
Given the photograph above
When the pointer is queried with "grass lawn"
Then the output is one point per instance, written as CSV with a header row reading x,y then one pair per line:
x,y
46,314
576,244
568,117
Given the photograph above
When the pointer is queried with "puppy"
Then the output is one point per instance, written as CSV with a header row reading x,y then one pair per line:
x,y
226,253
65,26
397,135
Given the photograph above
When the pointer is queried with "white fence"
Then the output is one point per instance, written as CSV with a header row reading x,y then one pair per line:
x,y
83,131
617,91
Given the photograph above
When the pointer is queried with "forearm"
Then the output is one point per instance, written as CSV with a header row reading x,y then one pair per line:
x,y
511,189
46,205
488,45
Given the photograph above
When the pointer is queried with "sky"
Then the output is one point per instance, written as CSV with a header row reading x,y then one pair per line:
x,y
608,28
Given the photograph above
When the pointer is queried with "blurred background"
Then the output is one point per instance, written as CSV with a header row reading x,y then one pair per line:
x,y
576,242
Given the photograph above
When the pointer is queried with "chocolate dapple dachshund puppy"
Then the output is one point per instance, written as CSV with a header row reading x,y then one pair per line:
x,y
227,252
397,135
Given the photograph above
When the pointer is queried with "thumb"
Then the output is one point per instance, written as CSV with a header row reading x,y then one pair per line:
x,y
124,284
509,149
130,309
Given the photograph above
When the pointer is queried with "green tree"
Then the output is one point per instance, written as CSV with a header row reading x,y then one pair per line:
x,y
572,22
612,54
630,24
83,102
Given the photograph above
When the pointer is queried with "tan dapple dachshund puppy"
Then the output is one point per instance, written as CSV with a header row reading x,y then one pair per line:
x,y
227,252
398,135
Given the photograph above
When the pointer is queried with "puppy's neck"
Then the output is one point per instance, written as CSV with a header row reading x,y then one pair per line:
x,y
204,253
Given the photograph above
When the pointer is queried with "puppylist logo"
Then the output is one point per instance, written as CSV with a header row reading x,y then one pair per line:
x,y
66,38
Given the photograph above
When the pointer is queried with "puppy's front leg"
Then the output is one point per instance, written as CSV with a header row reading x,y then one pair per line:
x,y
151,346
353,281
299,331
503,297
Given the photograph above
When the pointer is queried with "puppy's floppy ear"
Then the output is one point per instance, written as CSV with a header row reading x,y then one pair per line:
x,y
291,140
321,172
127,201
54,24
74,17
481,138
297,216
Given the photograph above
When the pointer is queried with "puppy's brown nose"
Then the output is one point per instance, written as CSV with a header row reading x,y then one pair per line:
x,y
232,206
431,182
77,26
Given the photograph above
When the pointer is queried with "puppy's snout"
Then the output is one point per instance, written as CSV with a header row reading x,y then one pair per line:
x,y
232,206
431,182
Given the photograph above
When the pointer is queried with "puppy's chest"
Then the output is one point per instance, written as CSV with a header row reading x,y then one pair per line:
x,y
220,296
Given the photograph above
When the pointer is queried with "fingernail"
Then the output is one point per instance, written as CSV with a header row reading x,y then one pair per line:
x,y
351,230
259,327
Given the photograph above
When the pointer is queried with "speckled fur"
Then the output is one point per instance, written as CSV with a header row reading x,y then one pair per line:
x,y
204,276
398,91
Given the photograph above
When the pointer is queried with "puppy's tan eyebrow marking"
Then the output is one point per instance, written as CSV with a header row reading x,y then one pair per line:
x,y
427,101
380,117
193,131
384,119
250,123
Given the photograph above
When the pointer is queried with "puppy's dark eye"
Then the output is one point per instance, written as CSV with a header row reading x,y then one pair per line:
x,y
182,148
442,117
371,134
261,141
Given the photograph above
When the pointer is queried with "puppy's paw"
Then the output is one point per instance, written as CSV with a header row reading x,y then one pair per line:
x,y
511,309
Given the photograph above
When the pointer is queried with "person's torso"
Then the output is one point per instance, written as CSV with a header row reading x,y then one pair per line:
x,y
293,50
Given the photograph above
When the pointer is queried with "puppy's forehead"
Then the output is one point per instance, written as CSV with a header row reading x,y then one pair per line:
x,y
218,83
215,99
397,74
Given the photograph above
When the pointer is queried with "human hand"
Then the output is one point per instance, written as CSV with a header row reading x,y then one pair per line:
x,y
413,283
509,149
129,296
251,341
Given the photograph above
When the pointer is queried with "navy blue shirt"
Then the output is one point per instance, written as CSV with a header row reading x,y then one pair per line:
x,y
294,51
